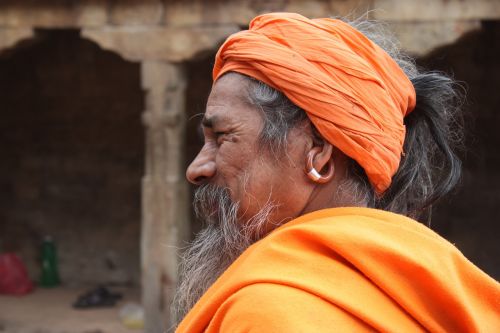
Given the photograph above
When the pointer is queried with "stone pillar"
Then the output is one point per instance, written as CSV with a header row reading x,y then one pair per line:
x,y
164,189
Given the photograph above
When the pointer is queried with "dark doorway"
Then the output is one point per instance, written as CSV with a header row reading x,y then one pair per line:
x,y
72,157
470,218
199,72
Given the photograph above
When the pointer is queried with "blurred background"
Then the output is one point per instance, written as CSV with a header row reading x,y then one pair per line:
x,y
98,105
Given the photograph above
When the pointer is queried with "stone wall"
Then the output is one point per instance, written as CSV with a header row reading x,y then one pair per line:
x,y
72,157
175,30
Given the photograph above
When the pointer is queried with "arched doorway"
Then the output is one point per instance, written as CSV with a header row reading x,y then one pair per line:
x,y
72,146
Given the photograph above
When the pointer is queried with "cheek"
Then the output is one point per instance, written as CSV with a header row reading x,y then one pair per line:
x,y
233,166
260,186
284,186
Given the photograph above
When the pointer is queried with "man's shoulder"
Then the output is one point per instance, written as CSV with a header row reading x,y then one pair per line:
x,y
281,308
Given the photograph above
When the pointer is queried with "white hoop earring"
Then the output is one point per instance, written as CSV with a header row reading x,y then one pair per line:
x,y
314,175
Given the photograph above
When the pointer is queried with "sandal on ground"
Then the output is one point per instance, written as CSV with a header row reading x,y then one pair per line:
x,y
98,297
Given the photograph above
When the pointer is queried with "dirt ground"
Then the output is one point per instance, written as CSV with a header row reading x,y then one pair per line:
x,y
50,311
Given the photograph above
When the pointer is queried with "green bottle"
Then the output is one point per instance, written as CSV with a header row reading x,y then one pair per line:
x,y
50,272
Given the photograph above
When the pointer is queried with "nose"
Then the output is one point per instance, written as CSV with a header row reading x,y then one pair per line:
x,y
201,169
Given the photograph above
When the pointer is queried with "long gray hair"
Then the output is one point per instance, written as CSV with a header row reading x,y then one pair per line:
x,y
430,168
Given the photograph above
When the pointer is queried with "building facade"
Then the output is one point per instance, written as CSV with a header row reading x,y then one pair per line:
x,y
121,82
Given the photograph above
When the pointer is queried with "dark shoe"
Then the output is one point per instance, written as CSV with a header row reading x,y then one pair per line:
x,y
99,297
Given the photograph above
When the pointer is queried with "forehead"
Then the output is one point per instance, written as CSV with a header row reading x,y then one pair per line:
x,y
229,98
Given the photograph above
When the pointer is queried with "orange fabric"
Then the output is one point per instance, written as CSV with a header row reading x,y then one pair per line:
x,y
349,270
352,90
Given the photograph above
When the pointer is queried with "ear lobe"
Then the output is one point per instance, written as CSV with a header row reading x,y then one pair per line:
x,y
319,158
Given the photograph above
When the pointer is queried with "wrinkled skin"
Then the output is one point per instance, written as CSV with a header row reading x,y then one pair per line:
x,y
231,158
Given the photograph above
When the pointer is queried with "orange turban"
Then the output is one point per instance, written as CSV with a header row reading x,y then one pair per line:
x,y
353,91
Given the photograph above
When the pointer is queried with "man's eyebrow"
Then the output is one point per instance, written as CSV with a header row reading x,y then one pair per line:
x,y
208,122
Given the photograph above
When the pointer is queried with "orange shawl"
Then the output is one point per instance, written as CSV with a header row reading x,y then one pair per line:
x,y
353,91
349,270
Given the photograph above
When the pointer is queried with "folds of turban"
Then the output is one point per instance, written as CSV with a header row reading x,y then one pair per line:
x,y
353,91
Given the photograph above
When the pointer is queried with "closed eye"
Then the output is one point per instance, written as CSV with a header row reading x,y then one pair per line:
x,y
219,136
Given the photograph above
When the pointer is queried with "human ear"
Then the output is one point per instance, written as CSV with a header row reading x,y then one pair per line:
x,y
319,163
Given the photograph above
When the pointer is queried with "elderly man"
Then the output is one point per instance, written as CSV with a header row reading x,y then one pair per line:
x,y
320,147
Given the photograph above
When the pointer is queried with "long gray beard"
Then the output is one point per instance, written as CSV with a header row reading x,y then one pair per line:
x,y
216,246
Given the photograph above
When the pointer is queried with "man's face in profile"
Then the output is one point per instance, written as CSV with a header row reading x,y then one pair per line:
x,y
243,190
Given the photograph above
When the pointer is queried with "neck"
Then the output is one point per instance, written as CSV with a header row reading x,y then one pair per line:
x,y
336,193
